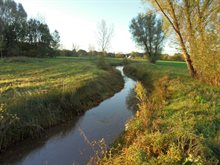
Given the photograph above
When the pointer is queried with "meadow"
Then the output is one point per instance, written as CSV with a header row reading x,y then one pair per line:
x,y
177,121
37,93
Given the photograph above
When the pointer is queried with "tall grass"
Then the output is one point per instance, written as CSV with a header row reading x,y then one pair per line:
x,y
177,121
39,93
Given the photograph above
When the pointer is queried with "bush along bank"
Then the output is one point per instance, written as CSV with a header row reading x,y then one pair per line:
x,y
31,116
177,123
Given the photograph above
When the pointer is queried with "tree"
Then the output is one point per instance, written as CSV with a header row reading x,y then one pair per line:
x,y
190,20
75,49
91,49
56,40
39,34
169,10
82,52
19,36
147,33
104,36
1,45
1,37
12,18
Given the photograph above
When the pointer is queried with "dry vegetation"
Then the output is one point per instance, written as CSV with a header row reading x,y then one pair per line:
x,y
177,121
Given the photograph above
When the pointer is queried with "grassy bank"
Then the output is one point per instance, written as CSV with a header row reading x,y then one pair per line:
x,y
36,94
178,121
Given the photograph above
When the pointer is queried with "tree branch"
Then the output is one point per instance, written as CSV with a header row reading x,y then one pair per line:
x,y
162,10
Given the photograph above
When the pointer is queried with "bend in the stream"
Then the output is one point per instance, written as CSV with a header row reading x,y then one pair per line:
x,y
65,144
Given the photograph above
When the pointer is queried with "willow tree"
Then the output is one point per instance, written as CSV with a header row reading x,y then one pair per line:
x,y
147,32
195,25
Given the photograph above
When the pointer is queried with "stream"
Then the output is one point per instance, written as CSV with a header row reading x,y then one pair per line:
x,y
66,144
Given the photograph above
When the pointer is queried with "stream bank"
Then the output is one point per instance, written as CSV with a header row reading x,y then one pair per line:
x,y
66,145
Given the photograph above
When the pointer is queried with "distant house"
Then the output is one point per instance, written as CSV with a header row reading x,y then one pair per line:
x,y
127,56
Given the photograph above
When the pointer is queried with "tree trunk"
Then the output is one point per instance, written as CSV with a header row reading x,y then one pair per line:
x,y
190,67
175,25
152,61
188,60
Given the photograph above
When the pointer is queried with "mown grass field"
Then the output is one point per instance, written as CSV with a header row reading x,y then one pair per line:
x,y
37,93
27,76
178,119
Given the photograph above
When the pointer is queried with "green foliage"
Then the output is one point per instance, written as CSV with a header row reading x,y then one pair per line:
x,y
36,94
82,52
119,55
196,24
136,55
205,49
22,37
177,121
56,40
147,31
67,53
175,57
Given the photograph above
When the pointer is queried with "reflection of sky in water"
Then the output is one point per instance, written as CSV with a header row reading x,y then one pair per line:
x,y
104,121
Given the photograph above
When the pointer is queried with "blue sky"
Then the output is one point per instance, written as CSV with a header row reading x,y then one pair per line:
x,y
77,20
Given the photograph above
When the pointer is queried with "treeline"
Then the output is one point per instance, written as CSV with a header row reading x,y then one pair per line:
x,y
132,55
20,36
81,52
175,57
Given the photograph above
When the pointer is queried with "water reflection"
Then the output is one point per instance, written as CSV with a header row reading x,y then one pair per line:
x,y
21,150
131,101
65,144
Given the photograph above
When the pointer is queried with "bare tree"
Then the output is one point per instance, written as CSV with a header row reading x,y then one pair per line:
x,y
104,36
75,49
91,49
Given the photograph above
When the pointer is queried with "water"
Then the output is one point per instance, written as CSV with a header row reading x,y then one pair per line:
x,y
65,144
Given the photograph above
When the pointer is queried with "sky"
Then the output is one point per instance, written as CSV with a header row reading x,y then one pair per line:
x,y
77,21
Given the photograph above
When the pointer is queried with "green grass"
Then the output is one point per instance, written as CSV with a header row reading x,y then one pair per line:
x,y
40,75
161,68
37,93
177,122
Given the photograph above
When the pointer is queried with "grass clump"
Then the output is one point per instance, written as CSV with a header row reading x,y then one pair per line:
x,y
177,120
38,94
